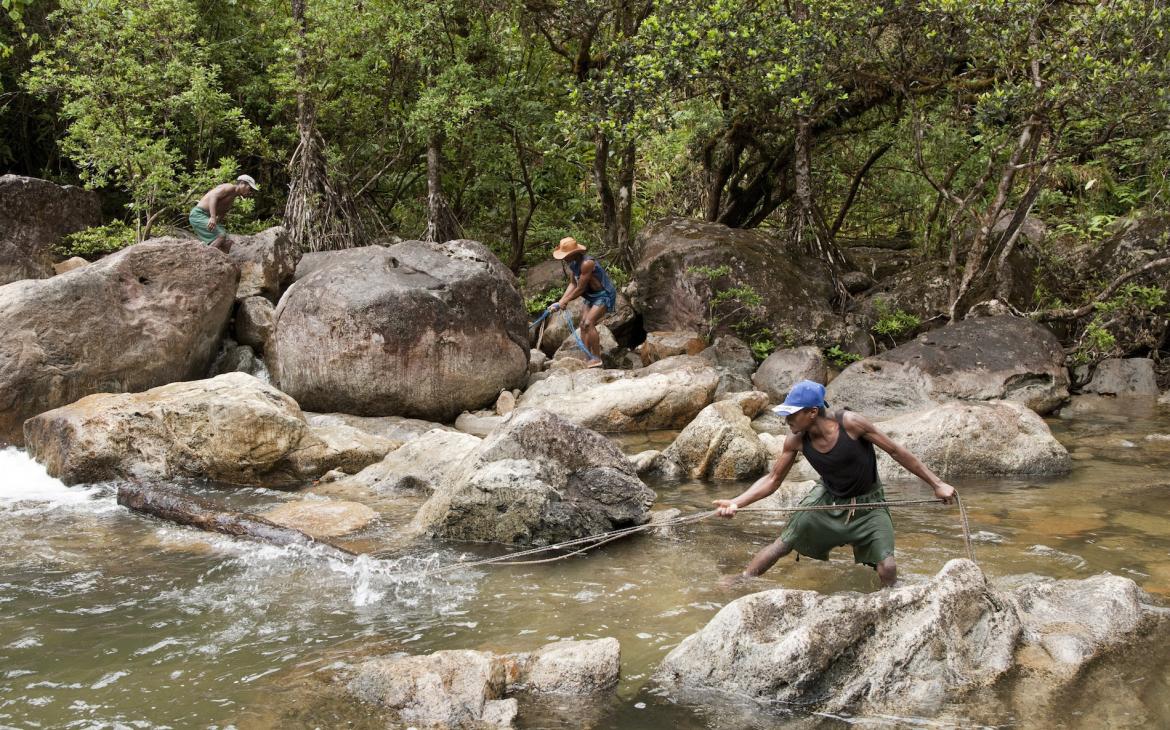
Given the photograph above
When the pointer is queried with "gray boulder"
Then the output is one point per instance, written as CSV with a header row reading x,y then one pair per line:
x,y
610,351
784,368
1129,376
671,294
910,650
267,261
422,465
253,325
232,428
417,329
37,215
538,479
719,444
150,314
668,394
990,358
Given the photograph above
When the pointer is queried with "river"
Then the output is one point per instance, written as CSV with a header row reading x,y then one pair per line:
x,y
109,619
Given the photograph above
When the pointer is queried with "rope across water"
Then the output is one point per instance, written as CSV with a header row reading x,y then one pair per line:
x,y
582,544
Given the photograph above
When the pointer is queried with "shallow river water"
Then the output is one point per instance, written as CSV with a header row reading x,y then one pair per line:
x,y
110,619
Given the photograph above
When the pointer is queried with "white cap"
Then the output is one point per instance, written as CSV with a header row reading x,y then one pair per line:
x,y
247,179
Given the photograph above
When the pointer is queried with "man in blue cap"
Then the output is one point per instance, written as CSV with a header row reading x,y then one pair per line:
x,y
840,448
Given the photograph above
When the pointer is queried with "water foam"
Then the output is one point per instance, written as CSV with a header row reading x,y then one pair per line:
x,y
26,487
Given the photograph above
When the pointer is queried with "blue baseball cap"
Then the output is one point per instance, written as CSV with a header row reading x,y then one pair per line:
x,y
805,394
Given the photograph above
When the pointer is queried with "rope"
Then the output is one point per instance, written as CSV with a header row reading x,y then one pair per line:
x,y
576,334
589,542
541,318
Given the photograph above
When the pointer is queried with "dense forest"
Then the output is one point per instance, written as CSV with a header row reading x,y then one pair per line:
x,y
936,126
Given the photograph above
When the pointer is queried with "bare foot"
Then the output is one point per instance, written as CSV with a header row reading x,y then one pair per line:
x,y
734,580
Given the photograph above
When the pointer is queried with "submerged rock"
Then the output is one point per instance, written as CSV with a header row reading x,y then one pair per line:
x,y
150,314
231,428
912,649
466,689
322,518
991,358
537,479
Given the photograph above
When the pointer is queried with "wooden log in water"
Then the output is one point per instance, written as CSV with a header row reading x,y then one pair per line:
x,y
184,509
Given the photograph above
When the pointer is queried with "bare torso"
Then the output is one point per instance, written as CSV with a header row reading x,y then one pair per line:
x,y
219,200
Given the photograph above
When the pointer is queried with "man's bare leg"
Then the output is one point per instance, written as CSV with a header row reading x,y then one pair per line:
x,y
766,558
223,243
887,571
589,333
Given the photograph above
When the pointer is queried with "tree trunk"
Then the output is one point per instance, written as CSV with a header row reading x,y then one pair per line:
x,y
609,217
188,510
441,223
809,231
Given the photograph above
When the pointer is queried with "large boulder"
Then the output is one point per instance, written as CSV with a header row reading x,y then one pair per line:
x,y
538,479
1130,376
662,396
467,689
150,314
909,650
232,428
37,215
785,368
426,330
267,261
990,358
671,294
719,444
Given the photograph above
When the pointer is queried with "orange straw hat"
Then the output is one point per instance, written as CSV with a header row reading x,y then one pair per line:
x,y
567,246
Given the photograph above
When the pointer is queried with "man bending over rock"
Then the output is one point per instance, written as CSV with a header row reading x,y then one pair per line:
x,y
214,206
587,279
840,448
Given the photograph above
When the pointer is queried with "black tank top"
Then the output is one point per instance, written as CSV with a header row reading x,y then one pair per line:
x,y
849,469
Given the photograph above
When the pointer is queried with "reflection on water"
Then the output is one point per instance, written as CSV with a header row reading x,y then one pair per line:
x,y
108,618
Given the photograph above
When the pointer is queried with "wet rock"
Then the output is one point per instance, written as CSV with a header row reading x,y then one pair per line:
x,y
253,326
666,395
1129,376
785,368
912,649
150,314
455,689
394,428
719,444
1008,358
232,428
322,518
420,465
466,689
537,479
37,215
1164,399
424,330
267,262
671,292
663,344
568,667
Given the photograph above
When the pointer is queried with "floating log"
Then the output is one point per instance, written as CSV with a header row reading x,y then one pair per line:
x,y
184,509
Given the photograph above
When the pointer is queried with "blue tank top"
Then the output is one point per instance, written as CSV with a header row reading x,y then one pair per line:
x,y
599,274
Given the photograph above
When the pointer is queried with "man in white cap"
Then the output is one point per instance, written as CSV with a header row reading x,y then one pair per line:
x,y
840,447
214,206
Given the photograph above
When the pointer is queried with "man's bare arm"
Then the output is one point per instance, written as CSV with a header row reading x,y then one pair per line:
x,y
766,484
579,288
900,454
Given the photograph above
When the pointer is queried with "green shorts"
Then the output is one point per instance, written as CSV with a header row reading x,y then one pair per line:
x,y
869,531
199,219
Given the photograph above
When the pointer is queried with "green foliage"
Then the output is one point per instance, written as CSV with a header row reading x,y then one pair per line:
x,y
537,303
762,346
98,240
894,324
839,358
1132,318
737,306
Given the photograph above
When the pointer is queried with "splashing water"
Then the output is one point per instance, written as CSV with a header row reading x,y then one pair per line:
x,y
26,487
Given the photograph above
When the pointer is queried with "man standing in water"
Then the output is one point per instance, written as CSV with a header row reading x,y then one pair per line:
x,y
588,280
840,448
214,206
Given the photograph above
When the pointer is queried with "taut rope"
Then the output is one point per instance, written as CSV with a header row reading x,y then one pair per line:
x,y
583,544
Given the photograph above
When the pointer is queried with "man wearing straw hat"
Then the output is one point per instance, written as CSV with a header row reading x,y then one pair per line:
x,y
214,206
840,448
588,280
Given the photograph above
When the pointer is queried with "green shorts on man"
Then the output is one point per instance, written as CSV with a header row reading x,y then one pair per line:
x,y
199,219
869,531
